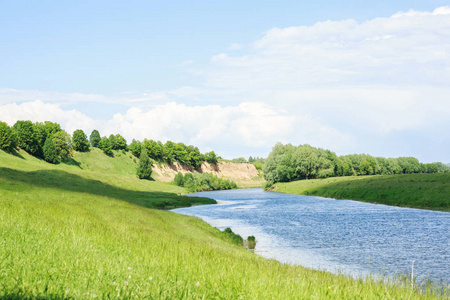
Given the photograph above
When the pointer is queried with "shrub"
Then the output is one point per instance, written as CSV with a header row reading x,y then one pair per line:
x,y
179,179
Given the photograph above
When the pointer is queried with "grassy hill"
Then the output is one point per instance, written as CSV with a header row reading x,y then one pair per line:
x,y
79,231
430,191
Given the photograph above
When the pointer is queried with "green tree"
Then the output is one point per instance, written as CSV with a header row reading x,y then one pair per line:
x,y
79,141
106,147
211,157
7,137
26,138
50,151
135,148
63,144
121,142
113,141
144,170
95,138
195,157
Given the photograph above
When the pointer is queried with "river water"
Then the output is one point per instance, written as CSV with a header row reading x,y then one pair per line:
x,y
345,236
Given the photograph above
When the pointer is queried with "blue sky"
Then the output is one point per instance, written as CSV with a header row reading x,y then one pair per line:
x,y
233,76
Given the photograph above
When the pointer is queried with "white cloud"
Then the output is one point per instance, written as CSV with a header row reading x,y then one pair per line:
x,y
38,111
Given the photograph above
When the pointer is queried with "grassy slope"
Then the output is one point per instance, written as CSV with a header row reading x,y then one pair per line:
x,y
64,233
411,190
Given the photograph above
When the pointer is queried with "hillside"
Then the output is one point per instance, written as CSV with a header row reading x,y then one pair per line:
x,y
70,232
430,191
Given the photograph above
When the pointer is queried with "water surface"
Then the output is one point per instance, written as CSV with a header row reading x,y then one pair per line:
x,y
346,236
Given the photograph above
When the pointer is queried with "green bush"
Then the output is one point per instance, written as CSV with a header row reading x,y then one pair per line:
x,y
179,179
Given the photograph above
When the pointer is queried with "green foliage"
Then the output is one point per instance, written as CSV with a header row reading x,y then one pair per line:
x,y
7,137
63,145
198,182
233,237
105,145
239,160
288,163
211,157
179,179
95,138
50,151
144,170
79,141
120,142
26,137
135,148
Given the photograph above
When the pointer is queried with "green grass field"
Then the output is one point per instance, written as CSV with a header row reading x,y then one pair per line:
x,y
431,191
72,233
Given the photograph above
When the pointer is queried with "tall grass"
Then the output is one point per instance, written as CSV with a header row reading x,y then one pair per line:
x,y
60,242
410,190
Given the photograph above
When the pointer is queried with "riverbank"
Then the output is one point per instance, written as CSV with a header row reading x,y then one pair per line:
x,y
427,191
68,232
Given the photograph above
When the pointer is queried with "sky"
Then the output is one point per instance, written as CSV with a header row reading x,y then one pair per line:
x,y
235,77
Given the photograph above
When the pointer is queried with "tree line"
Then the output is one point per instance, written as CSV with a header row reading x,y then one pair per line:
x,y
48,141
288,163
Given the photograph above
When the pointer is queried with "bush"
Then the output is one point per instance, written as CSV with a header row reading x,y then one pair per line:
x,y
235,238
179,179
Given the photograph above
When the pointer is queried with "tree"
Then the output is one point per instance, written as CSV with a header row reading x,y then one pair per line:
x,y
135,148
112,141
211,157
63,144
105,145
121,142
50,151
7,137
26,138
95,138
79,141
144,170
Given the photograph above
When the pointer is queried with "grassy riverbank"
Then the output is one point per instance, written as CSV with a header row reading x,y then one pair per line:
x,y
67,232
431,191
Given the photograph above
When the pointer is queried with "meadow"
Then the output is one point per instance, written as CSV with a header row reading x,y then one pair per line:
x,y
430,191
72,231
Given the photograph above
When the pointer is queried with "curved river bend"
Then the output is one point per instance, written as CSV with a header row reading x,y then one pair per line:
x,y
345,236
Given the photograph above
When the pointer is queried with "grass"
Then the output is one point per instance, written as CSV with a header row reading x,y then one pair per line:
x,y
430,191
66,233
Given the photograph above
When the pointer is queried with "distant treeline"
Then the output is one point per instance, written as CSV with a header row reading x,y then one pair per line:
x,y
50,142
198,182
288,163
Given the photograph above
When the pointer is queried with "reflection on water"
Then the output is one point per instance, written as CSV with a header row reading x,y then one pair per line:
x,y
336,235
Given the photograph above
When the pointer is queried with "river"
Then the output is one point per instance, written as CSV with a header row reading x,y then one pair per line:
x,y
345,236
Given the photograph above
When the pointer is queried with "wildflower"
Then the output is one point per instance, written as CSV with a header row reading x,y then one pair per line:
x,y
129,277
126,283
329,287
197,284
129,268
150,278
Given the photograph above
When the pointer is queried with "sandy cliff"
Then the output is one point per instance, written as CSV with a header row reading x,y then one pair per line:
x,y
243,173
